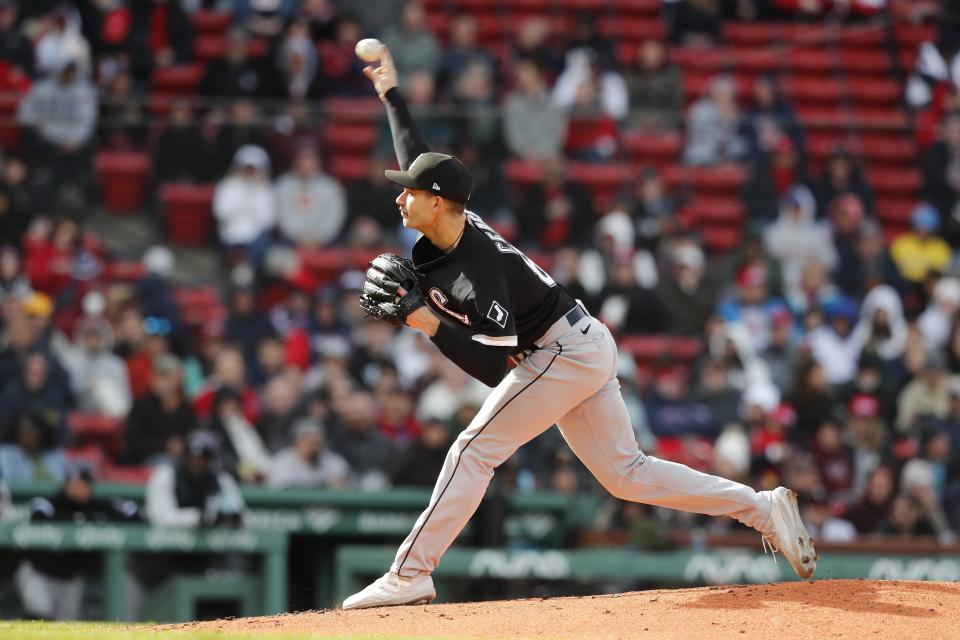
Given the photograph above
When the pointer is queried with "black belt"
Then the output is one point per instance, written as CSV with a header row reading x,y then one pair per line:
x,y
575,315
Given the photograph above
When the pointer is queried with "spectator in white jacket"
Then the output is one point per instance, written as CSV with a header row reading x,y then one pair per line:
x,y
796,238
243,203
98,378
311,205
937,319
581,66
712,126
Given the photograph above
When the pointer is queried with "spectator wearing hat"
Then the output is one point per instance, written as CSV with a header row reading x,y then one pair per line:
x,y
98,378
842,176
193,491
920,252
687,296
866,434
50,584
297,74
236,74
926,395
244,204
311,205
869,514
161,418
781,353
937,319
752,306
882,328
833,345
308,462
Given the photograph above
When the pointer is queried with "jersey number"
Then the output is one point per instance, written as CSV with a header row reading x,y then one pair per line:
x,y
505,247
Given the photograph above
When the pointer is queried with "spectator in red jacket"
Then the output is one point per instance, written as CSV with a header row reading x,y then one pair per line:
x,y
228,371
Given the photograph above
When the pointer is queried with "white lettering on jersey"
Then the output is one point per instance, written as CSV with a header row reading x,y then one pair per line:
x,y
505,247
437,297
498,314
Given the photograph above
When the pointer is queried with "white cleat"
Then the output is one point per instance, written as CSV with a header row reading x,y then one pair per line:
x,y
784,532
390,590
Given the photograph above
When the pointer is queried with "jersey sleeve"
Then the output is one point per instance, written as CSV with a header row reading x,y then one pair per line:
x,y
496,320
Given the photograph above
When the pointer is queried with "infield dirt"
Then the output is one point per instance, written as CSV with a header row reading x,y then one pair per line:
x,y
818,609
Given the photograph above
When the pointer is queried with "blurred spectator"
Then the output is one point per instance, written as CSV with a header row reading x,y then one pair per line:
x,y
841,176
941,171
882,329
477,125
766,424
264,18
871,265
161,418
654,211
590,83
51,584
241,449
420,91
796,239
18,201
869,514
13,281
98,378
687,296
936,321
461,53
423,460
311,205
322,17
655,88
751,305
534,127
123,115
670,410
833,344
192,491
298,75
812,399
557,211
534,43
160,36
176,156
56,258
63,44
154,290
228,371
782,353
834,458
413,47
341,66
926,395
372,197
244,204
769,119
867,435
35,449
130,342
236,74
281,408
587,39
840,8
776,172
712,123
920,252
815,513
906,519
395,419
696,23
61,112
715,392
15,48
356,437
243,126
38,393
308,462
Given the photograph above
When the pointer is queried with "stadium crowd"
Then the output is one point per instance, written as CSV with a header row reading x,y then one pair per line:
x,y
830,360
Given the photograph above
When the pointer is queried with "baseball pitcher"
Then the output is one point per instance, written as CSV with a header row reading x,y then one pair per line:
x,y
505,321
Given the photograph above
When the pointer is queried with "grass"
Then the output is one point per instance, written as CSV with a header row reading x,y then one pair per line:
x,y
109,631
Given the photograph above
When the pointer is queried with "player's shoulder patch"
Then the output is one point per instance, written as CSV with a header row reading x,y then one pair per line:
x,y
498,314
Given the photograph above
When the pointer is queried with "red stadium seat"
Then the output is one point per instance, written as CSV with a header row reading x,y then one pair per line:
x,y
880,117
637,7
96,429
9,129
818,116
713,60
806,90
866,36
632,30
717,212
889,148
895,212
809,35
755,59
757,34
211,47
812,61
123,179
720,240
187,214
350,167
124,270
876,62
821,144
354,109
655,148
913,35
177,81
353,137
875,90
901,181
725,179
211,22
126,475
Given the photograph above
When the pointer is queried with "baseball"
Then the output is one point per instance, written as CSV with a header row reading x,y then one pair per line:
x,y
369,49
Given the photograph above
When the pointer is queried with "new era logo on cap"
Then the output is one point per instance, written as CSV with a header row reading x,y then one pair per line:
x,y
436,186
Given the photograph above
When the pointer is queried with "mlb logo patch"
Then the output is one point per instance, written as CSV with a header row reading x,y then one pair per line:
x,y
498,314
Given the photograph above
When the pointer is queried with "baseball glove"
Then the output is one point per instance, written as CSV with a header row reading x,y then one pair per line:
x,y
381,297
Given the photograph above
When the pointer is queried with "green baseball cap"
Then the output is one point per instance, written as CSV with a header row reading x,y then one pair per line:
x,y
437,173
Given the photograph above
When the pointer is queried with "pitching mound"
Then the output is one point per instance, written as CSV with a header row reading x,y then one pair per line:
x,y
820,609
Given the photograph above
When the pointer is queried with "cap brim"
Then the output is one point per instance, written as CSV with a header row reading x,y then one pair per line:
x,y
401,178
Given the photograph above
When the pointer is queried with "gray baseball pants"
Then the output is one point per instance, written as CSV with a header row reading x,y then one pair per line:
x,y
571,381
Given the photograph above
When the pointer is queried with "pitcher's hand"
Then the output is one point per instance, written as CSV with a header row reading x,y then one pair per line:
x,y
383,77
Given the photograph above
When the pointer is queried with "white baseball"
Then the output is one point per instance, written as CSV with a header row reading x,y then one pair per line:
x,y
369,49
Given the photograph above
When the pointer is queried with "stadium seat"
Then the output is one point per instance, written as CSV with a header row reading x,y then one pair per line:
x,y
867,36
123,179
901,181
812,61
889,148
124,270
822,117
809,89
632,30
875,90
895,212
354,109
758,34
9,129
716,212
352,137
182,80
812,36
211,22
655,148
211,47
187,215
710,60
723,179
912,36
876,62
879,117
720,240
349,167
126,475
754,59
649,8
96,429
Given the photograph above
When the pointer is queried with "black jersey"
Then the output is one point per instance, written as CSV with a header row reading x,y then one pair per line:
x,y
489,287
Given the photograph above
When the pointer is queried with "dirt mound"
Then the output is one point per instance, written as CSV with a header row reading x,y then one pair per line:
x,y
819,609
